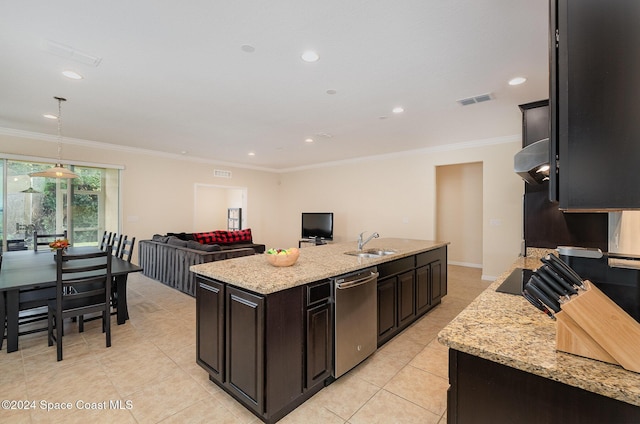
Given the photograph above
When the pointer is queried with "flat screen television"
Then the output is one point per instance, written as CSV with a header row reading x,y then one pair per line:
x,y
317,225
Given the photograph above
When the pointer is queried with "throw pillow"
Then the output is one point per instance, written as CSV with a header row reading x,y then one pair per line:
x,y
224,237
160,238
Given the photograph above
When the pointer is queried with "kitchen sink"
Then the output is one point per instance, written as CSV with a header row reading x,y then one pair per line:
x,y
371,253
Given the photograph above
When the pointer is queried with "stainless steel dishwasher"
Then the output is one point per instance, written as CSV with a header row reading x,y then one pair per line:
x,y
355,332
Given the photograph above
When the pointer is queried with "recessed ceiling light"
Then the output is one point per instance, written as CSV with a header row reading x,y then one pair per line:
x,y
247,48
331,91
398,109
49,116
72,75
252,153
310,56
517,81
308,140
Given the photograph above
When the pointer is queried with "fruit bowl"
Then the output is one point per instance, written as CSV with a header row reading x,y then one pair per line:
x,y
278,258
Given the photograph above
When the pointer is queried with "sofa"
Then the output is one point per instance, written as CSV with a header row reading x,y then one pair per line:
x,y
167,258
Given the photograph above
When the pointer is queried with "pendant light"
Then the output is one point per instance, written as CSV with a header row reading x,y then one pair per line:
x,y
58,171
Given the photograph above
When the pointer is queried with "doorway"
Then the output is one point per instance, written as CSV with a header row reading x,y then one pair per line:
x,y
212,203
459,207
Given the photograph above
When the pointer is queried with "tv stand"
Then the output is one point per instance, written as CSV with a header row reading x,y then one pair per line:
x,y
312,241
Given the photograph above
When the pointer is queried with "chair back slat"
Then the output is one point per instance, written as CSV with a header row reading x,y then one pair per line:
x,y
126,251
45,239
116,242
106,241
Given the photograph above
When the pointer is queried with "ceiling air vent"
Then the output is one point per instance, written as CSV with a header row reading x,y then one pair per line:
x,y
475,99
220,173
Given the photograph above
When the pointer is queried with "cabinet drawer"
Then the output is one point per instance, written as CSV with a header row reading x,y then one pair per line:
x,y
318,292
426,258
396,267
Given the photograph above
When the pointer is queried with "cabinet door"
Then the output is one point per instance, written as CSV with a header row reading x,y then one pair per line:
x,y
245,346
423,289
386,308
594,117
439,282
319,344
210,327
406,298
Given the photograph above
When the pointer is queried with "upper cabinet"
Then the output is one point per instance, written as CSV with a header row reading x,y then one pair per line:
x,y
595,104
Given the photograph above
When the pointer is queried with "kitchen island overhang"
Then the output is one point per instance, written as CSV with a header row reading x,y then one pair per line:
x,y
265,336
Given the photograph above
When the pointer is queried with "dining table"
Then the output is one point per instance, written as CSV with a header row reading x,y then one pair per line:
x,y
30,269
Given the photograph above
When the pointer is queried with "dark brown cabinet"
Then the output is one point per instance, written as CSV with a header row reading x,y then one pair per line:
x,y
270,352
210,327
387,305
319,331
406,298
244,346
408,288
594,123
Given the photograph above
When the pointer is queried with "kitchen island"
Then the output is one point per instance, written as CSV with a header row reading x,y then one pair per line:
x,y
504,367
265,334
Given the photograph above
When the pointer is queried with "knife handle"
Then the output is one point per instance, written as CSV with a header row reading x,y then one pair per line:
x,y
549,275
549,290
542,297
551,272
564,270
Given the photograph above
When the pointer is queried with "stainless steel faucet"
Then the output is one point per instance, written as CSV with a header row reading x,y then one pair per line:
x,y
362,243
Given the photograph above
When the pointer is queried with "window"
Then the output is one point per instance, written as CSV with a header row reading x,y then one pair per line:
x,y
85,207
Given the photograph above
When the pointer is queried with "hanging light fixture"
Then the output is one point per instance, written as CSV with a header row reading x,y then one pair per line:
x,y
58,171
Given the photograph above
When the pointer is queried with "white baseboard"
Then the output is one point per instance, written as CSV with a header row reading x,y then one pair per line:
x,y
488,278
467,264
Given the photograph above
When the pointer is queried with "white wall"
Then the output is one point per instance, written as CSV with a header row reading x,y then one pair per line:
x,y
459,212
396,196
393,195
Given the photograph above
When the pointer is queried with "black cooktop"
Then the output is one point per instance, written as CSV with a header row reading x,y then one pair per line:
x,y
514,283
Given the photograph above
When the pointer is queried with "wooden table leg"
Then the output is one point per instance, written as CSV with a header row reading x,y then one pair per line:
x,y
121,288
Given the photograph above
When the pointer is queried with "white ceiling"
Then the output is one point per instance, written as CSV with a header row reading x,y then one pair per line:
x,y
173,76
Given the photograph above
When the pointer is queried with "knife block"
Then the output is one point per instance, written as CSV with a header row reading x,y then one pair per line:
x,y
594,326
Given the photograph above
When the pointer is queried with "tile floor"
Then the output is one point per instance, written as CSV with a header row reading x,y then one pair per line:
x,y
149,374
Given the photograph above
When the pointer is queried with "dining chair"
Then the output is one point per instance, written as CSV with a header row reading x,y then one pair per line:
x,y
126,253
45,239
106,241
83,286
116,243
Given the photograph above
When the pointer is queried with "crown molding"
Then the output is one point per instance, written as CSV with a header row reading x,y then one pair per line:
x,y
108,146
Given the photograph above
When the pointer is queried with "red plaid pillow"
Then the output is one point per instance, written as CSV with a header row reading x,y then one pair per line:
x,y
224,237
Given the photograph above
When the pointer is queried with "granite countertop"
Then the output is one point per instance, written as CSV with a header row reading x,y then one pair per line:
x,y
506,329
315,263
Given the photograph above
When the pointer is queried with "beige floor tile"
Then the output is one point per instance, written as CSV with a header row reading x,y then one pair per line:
x,y
433,359
420,387
204,411
345,396
378,369
386,407
401,348
165,398
311,413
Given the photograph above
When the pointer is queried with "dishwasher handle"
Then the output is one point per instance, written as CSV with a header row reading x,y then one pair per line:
x,y
350,284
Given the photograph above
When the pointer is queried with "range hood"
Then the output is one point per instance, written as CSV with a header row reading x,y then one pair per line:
x,y
532,162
